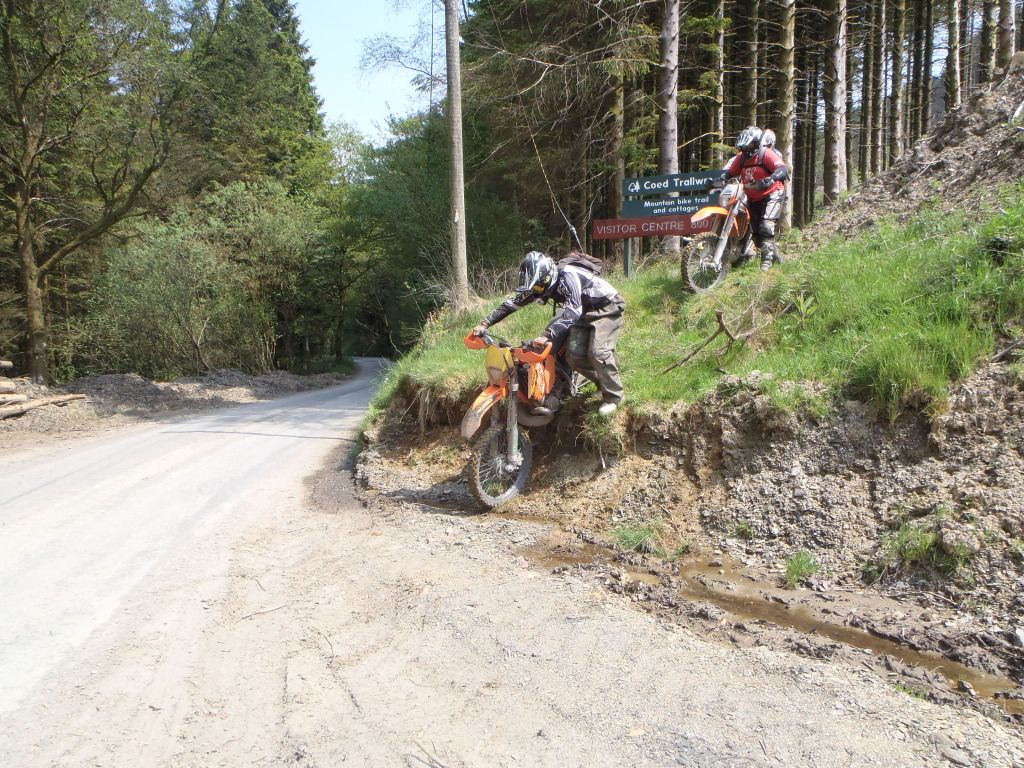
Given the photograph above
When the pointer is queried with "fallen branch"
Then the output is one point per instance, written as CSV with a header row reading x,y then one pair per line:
x,y
998,358
17,410
9,398
722,328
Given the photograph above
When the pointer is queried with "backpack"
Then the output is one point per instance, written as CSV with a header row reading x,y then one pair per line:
x,y
767,142
583,261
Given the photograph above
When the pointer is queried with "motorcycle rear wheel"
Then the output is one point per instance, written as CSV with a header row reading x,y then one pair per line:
x,y
490,479
698,270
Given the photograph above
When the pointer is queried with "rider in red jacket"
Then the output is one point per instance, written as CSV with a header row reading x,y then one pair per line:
x,y
763,173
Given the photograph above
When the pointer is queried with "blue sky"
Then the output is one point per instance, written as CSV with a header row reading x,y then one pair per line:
x,y
335,31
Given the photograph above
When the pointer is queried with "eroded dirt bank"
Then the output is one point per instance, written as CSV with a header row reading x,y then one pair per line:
x,y
733,488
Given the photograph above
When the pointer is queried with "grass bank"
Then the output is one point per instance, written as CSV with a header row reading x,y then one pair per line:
x,y
891,317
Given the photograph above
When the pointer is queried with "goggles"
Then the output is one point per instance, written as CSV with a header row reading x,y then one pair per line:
x,y
541,286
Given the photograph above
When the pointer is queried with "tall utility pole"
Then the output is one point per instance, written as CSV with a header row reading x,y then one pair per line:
x,y
460,272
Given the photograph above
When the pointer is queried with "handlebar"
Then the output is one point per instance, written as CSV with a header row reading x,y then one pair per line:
x,y
472,341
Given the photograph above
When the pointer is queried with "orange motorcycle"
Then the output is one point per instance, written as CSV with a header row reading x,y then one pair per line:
x,y
707,257
528,384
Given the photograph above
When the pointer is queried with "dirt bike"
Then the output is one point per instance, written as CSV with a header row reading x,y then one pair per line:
x,y
707,257
532,387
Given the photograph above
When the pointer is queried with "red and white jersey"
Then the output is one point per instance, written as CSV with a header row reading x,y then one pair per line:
x,y
749,170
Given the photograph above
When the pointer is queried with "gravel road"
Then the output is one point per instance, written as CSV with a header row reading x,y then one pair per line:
x,y
210,593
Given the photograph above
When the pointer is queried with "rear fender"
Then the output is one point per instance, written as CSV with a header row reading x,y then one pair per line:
x,y
484,402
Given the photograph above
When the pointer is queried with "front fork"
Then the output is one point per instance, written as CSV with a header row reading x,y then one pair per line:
x,y
512,428
723,237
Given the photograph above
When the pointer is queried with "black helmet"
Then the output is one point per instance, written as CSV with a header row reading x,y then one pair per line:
x,y
537,272
749,140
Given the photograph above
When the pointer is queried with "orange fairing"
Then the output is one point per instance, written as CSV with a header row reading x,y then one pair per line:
x,y
483,403
534,358
713,210
472,341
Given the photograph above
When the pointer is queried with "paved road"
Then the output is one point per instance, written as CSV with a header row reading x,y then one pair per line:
x,y
83,523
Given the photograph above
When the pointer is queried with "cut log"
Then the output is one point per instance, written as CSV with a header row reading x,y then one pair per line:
x,y
6,364
8,398
6,387
17,410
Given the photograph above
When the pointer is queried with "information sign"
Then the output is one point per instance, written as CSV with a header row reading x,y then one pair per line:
x,y
620,229
684,183
667,206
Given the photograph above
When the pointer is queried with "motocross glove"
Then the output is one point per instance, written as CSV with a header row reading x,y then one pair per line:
x,y
716,183
764,183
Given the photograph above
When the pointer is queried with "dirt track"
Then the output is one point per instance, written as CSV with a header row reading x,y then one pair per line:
x,y
280,622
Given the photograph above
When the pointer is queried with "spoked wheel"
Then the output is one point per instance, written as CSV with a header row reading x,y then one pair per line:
x,y
494,479
698,264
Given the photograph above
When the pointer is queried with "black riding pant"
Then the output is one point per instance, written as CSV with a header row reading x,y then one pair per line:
x,y
764,216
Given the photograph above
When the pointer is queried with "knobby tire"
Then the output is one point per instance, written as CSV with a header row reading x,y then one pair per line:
x,y
485,481
690,258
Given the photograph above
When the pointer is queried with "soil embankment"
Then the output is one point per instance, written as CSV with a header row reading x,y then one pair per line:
x,y
731,489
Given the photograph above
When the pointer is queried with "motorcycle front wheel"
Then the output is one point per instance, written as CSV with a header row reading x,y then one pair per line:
x,y
493,479
700,274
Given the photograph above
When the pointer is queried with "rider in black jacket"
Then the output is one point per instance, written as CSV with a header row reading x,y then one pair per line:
x,y
591,318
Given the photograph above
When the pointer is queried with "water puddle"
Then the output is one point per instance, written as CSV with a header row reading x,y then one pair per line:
x,y
564,550
749,602
727,587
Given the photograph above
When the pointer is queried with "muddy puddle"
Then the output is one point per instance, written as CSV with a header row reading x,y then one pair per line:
x,y
738,592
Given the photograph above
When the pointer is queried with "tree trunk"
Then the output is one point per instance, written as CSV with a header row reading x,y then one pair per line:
x,y
989,27
1007,34
835,103
460,270
878,59
966,41
929,54
899,34
812,166
851,77
718,123
867,94
668,92
917,69
35,316
953,54
618,178
786,92
801,159
749,73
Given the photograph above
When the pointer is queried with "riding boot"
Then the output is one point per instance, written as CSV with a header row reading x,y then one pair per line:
x,y
769,254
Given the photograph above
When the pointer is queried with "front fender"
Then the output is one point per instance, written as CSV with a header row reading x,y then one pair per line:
x,y
483,403
704,213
